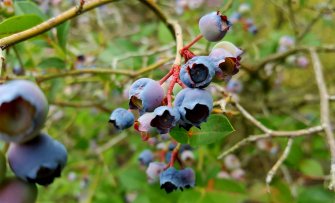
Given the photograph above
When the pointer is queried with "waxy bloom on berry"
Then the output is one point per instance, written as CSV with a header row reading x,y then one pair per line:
x,y
121,118
214,26
165,118
197,72
194,106
145,95
39,161
23,111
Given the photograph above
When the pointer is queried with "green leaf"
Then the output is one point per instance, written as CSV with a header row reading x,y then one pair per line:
x,y
18,23
62,33
316,194
28,7
216,128
52,62
311,167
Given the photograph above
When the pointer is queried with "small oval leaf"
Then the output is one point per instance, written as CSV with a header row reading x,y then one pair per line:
x,y
216,128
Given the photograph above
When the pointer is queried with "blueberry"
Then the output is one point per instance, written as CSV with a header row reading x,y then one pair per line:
x,y
232,162
2,167
187,178
235,17
146,157
39,161
169,180
121,118
154,170
187,156
225,64
286,41
302,61
14,190
229,47
145,95
18,70
194,106
234,86
253,29
143,123
165,118
214,26
23,111
197,72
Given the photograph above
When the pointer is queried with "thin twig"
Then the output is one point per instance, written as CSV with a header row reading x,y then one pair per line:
x,y
81,105
283,55
325,113
332,98
311,24
172,25
2,64
51,23
292,18
43,78
279,162
227,6
111,143
267,132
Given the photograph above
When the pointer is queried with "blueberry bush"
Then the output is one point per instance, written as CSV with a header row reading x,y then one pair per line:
x,y
143,101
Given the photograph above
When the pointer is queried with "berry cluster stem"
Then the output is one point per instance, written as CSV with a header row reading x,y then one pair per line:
x,y
195,40
174,156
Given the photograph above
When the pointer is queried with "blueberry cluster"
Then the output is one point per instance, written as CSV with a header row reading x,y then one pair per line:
x,y
287,42
241,16
33,156
192,105
170,179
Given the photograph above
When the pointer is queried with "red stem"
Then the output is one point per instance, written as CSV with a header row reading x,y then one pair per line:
x,y
195,40
167,76
174,156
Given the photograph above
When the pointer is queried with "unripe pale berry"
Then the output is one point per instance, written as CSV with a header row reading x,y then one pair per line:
x,y
14,190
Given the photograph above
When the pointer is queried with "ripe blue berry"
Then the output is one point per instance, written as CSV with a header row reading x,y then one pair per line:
x,y
23,111
165,118
187,178
214,26
194,106
145,95
234,86
154,170
197,72
235,17
146,157
121,118
169,180
39,161
14,190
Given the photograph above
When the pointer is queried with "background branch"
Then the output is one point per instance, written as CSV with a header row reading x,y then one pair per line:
x,y
325,113
51,23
